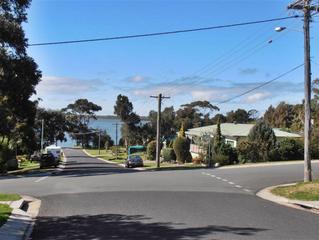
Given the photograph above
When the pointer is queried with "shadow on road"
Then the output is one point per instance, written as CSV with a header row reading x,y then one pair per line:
x,y
116,226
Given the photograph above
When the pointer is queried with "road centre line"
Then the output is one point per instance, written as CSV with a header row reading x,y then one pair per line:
x,y
238,186
231,183
41,178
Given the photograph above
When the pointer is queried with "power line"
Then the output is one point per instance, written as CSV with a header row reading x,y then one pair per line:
x,y
262,85
162,33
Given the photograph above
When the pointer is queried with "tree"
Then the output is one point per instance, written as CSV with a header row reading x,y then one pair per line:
x,y
55,125
283,115
105,140
218,138
78,116
264,139
269,116
181,147
167,122
19,75
253,115
219,117
238,116
123,108
194,114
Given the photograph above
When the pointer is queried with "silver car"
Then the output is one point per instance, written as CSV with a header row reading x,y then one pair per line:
x,y
134,161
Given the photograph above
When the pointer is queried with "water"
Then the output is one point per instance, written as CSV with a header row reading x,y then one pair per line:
x,y
100,123
103,124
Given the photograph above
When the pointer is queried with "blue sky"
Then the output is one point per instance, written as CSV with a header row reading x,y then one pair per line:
x,y
212,65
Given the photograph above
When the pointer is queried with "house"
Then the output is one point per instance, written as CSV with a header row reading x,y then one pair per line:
x,y
232,132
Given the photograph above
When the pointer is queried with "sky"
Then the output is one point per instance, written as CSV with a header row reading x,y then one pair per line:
x,y
213,65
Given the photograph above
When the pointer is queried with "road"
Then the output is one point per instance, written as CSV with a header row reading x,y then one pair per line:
x,y
91,199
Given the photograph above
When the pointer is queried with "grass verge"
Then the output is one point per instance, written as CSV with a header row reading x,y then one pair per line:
x,y
108,155
301,191
9,197
5,212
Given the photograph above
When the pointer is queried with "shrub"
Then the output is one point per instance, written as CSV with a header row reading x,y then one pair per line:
x,y
264,139
151,150
198,160
247,152
230,152
181,148
221,159
314,150
290,149
6,155
168,154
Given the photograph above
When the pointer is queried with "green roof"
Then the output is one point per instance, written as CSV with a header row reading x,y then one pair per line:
x,y
235,130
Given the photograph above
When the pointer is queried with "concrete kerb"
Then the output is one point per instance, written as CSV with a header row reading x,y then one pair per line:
x,y
110,162
20,223
310,206
266,164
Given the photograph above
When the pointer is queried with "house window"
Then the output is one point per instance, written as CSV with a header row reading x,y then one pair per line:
x,y
230,142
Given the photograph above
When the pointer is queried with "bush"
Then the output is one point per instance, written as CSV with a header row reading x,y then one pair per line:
x,y
151,150
290,149
247,152
264,139
314,151
7,155
168,154
221,159
181,148
198,160
230,152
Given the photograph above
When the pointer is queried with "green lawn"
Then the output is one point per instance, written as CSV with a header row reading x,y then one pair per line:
x,y
5,212
108,155
300,191
9,197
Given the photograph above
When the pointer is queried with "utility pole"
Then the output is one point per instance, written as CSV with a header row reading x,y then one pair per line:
x,y
160,97
42,134
99,142
307,8
116,137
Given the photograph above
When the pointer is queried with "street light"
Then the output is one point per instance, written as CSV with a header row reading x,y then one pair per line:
x,y
280,29
307,89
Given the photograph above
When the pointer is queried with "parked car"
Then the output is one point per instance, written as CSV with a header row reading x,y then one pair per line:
x,y
48,160
134,161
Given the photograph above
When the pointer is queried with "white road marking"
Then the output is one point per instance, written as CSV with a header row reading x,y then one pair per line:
x,y
225,180
40,179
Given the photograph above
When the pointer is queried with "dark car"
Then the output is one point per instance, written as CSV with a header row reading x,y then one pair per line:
x,y
48,160
35,157
134,161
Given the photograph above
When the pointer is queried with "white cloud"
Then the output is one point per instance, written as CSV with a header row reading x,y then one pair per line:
x,y
137,79
257,97
66,86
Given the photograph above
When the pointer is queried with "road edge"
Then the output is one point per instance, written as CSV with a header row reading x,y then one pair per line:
x,y
19,225
266,194
110,162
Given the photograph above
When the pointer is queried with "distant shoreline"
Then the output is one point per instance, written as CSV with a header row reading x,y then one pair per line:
x,y
113,117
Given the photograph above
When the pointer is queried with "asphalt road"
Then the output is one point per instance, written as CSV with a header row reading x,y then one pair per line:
x,y
94,200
